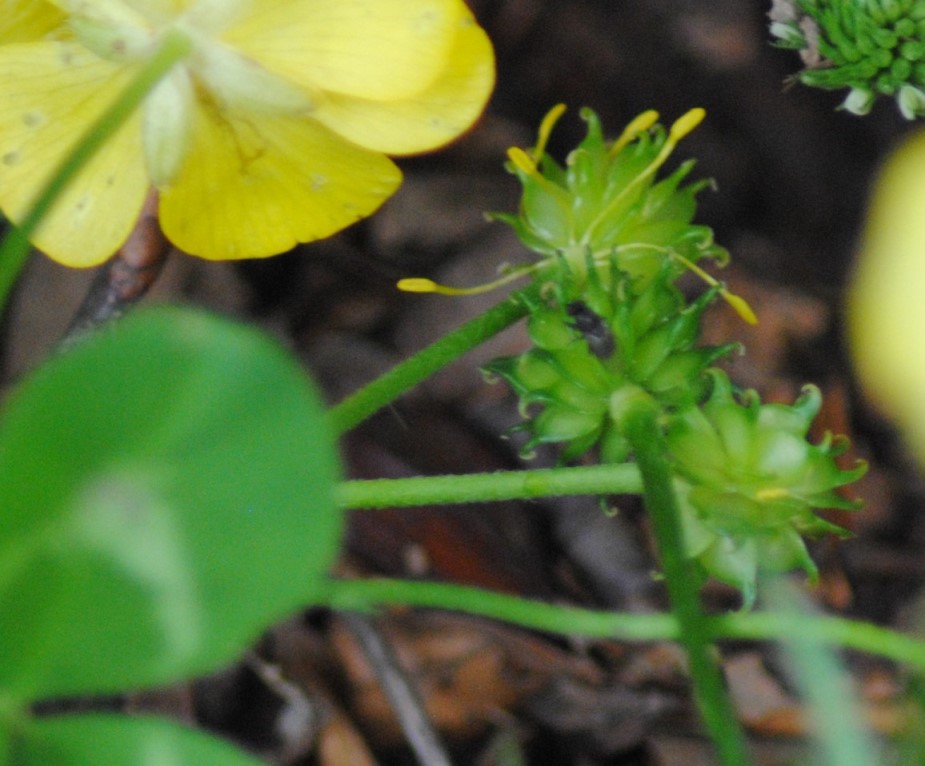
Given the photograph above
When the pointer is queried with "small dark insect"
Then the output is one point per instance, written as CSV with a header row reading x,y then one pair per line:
x,y
593,329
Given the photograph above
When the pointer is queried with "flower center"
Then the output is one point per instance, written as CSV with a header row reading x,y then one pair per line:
x,y
233,83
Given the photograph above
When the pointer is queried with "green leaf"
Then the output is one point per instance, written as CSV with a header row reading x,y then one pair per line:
x,y
841,737
114,740
166,491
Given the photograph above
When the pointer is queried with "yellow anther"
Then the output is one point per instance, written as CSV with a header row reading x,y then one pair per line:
x,y
740,306
632,131
521,160
546,126
686,123
417,285
681,127
771,493
737,302
424,285
524,163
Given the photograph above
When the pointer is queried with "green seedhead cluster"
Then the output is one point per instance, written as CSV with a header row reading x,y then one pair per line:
x,y
595,338
611,324
874,47
748,481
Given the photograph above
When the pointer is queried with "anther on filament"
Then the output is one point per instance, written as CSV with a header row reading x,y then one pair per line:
x,y
424,285
638,126
737,302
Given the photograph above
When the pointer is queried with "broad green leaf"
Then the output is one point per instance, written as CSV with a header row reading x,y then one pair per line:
x,y
166,491
114,740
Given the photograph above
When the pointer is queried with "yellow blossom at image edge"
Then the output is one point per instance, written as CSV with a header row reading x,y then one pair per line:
x,y
885,307
273,131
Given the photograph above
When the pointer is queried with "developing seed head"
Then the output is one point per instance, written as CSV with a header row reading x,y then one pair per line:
x,y
749,481
605,198
594,336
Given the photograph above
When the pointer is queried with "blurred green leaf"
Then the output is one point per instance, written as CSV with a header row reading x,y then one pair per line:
x,y
841,736
113,740
166,491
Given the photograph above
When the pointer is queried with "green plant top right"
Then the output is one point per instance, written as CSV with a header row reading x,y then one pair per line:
x,y
873,47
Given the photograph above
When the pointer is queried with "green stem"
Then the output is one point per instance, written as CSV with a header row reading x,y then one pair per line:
x,y
487,487
365,595
830,631
376,395
15,247
370,594
638,414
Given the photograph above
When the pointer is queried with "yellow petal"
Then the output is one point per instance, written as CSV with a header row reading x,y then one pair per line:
x,y
886,307
254,187
375,49
430,118
27,20
49,94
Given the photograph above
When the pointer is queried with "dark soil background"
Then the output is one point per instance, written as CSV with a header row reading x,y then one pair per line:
x,y
792,175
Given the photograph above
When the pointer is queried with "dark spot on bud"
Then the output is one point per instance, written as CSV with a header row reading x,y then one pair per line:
x,y
593,329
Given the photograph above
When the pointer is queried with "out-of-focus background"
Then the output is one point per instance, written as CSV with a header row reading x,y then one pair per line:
x,y
792,174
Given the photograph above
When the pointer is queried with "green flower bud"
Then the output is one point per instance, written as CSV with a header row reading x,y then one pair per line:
x,y
604,211
748,482
605,200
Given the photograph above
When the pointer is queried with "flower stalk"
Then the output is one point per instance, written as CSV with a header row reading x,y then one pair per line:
x,y
638,415
371,398
490,487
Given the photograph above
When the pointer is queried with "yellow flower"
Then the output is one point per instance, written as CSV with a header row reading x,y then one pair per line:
x,y
886,303
274,130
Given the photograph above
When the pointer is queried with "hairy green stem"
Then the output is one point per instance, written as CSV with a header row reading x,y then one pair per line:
x,y
487,487
366,595
385,389
15,248
638,414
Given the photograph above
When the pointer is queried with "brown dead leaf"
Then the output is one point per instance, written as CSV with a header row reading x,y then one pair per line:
x,y
762,703
468,672
341,744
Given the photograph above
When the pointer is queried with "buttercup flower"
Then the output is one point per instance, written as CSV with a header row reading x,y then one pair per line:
x,y
274,129
885,305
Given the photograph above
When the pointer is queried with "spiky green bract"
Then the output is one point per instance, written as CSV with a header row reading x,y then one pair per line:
x,y
606,201
592,336
748,481
873,47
